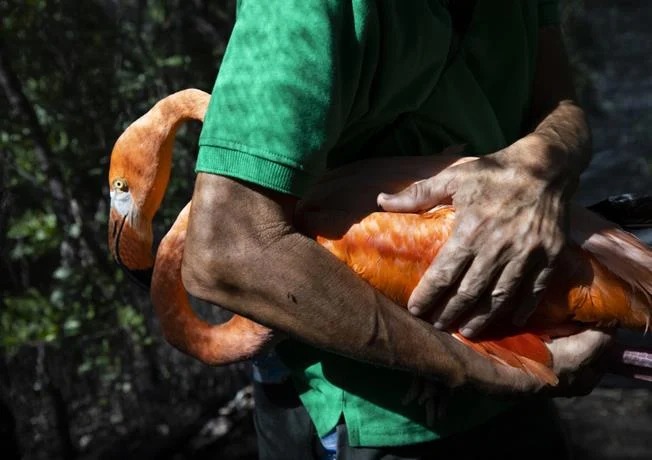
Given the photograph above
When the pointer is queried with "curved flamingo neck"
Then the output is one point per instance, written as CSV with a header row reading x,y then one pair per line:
x,y
236,340
159,128
188,104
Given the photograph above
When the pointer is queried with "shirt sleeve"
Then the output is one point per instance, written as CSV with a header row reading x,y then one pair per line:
x,y
548,12
283,93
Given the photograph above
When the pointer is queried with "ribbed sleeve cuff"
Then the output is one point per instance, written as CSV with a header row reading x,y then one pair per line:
x,y
252,168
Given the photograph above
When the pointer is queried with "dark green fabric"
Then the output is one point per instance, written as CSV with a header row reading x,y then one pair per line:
x,y
515,434
307,85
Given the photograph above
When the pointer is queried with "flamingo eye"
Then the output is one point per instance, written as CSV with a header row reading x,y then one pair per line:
x,y
121,185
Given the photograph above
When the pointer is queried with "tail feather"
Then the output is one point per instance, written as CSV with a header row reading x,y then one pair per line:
x,y
618,251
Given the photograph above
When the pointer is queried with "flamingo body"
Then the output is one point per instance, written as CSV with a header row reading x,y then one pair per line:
x,y
604,276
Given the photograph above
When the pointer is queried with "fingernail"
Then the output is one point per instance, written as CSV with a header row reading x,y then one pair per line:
x,y
414,310
439,325
467,332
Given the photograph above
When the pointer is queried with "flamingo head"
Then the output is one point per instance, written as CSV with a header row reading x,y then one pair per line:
x,y
139,173
138,176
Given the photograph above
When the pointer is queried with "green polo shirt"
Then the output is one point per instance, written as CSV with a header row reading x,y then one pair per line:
x,y
308,85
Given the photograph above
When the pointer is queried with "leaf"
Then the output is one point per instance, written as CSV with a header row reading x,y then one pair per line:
x,y
74,230
62,273
71,326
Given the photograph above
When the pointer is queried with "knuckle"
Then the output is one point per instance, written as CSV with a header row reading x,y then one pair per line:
x,y
499,298
470,227
418,191
460,253
500,294
554,245
534,248
495,309
455,307
438,279
467,296
514,274
538,288
413,191
531,242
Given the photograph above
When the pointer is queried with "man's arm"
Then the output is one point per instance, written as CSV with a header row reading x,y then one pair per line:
x,y
242,252
512,209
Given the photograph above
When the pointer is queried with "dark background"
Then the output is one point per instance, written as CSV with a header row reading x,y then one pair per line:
x,y
84,372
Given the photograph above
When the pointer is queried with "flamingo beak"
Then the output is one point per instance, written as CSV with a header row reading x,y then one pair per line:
x,y
131,248
142,278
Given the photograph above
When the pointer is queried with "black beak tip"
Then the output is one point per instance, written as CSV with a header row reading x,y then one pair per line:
x,y
143,278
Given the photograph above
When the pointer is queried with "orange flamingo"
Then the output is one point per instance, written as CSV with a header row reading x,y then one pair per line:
x,y
605,275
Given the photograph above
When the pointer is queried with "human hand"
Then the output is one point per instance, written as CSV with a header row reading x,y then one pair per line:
x,y
510,227
579,361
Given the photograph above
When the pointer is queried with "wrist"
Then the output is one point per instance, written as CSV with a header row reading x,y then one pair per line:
x,y
565,136
543,160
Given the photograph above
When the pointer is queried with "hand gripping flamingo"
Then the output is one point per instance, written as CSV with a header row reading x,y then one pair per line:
x,y
604,277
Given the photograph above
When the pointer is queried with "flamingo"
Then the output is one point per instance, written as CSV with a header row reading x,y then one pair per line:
x,y
604,277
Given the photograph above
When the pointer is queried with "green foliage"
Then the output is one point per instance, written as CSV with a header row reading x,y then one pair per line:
x,y
27,318
34,234
86,70
132,320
